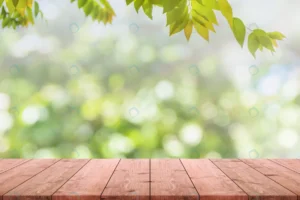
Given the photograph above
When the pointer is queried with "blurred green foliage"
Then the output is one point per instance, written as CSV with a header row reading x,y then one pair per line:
x,y
66,94
100,108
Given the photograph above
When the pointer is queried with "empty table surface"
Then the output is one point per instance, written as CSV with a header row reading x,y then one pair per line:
x,y
145,179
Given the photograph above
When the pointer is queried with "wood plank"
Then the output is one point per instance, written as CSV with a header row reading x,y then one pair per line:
x,y
18,175
89,182
225,160
282,175
210,182
7,164
170,181
255,184
130,180
43,185
293,164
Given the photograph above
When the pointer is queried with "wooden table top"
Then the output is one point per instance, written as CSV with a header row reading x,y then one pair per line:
x,y
145,179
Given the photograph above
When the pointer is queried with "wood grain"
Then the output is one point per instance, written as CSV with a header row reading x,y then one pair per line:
x,y
225,160
43,185
130,181
255,184
293,164
169,181
144,179
7,164
89,182
210,182
18,175
282,175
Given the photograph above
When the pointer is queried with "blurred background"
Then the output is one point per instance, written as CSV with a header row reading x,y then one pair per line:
x,y
73,88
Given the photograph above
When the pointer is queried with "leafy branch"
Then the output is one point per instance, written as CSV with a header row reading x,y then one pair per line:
x,y
16,13
99,10
181,15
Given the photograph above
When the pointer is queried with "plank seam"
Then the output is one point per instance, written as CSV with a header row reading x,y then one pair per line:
x,y
190,178
229,178
110,178
269,178
149,179
16,166
31,177
69,178
282,165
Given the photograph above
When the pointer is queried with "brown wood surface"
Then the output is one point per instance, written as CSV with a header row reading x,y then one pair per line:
x,y
145,179
43,185
170,181
293,164
16,176
7,164
89,182
255,184
130,181
282,175
210,182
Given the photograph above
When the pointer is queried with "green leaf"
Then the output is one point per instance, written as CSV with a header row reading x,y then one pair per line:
x,y
88,8
253,43
274,43
10,6
100,15
264,39
29,15
147,7
5,22
1,1
188,30
22,4
95,12
226,10
239,31
177,13
14,24
81,3
107,6
179,25
210,3
203,21
36,9
29,3
276,35
200,2
129,2
99,10
15,2
169,5
157,2
106,17
3,13
204,12
138,4
202,31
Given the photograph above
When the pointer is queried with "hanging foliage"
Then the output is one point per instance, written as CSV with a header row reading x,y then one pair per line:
x,y
182,15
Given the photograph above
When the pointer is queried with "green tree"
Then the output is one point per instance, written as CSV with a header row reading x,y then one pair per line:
x,y
182,15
